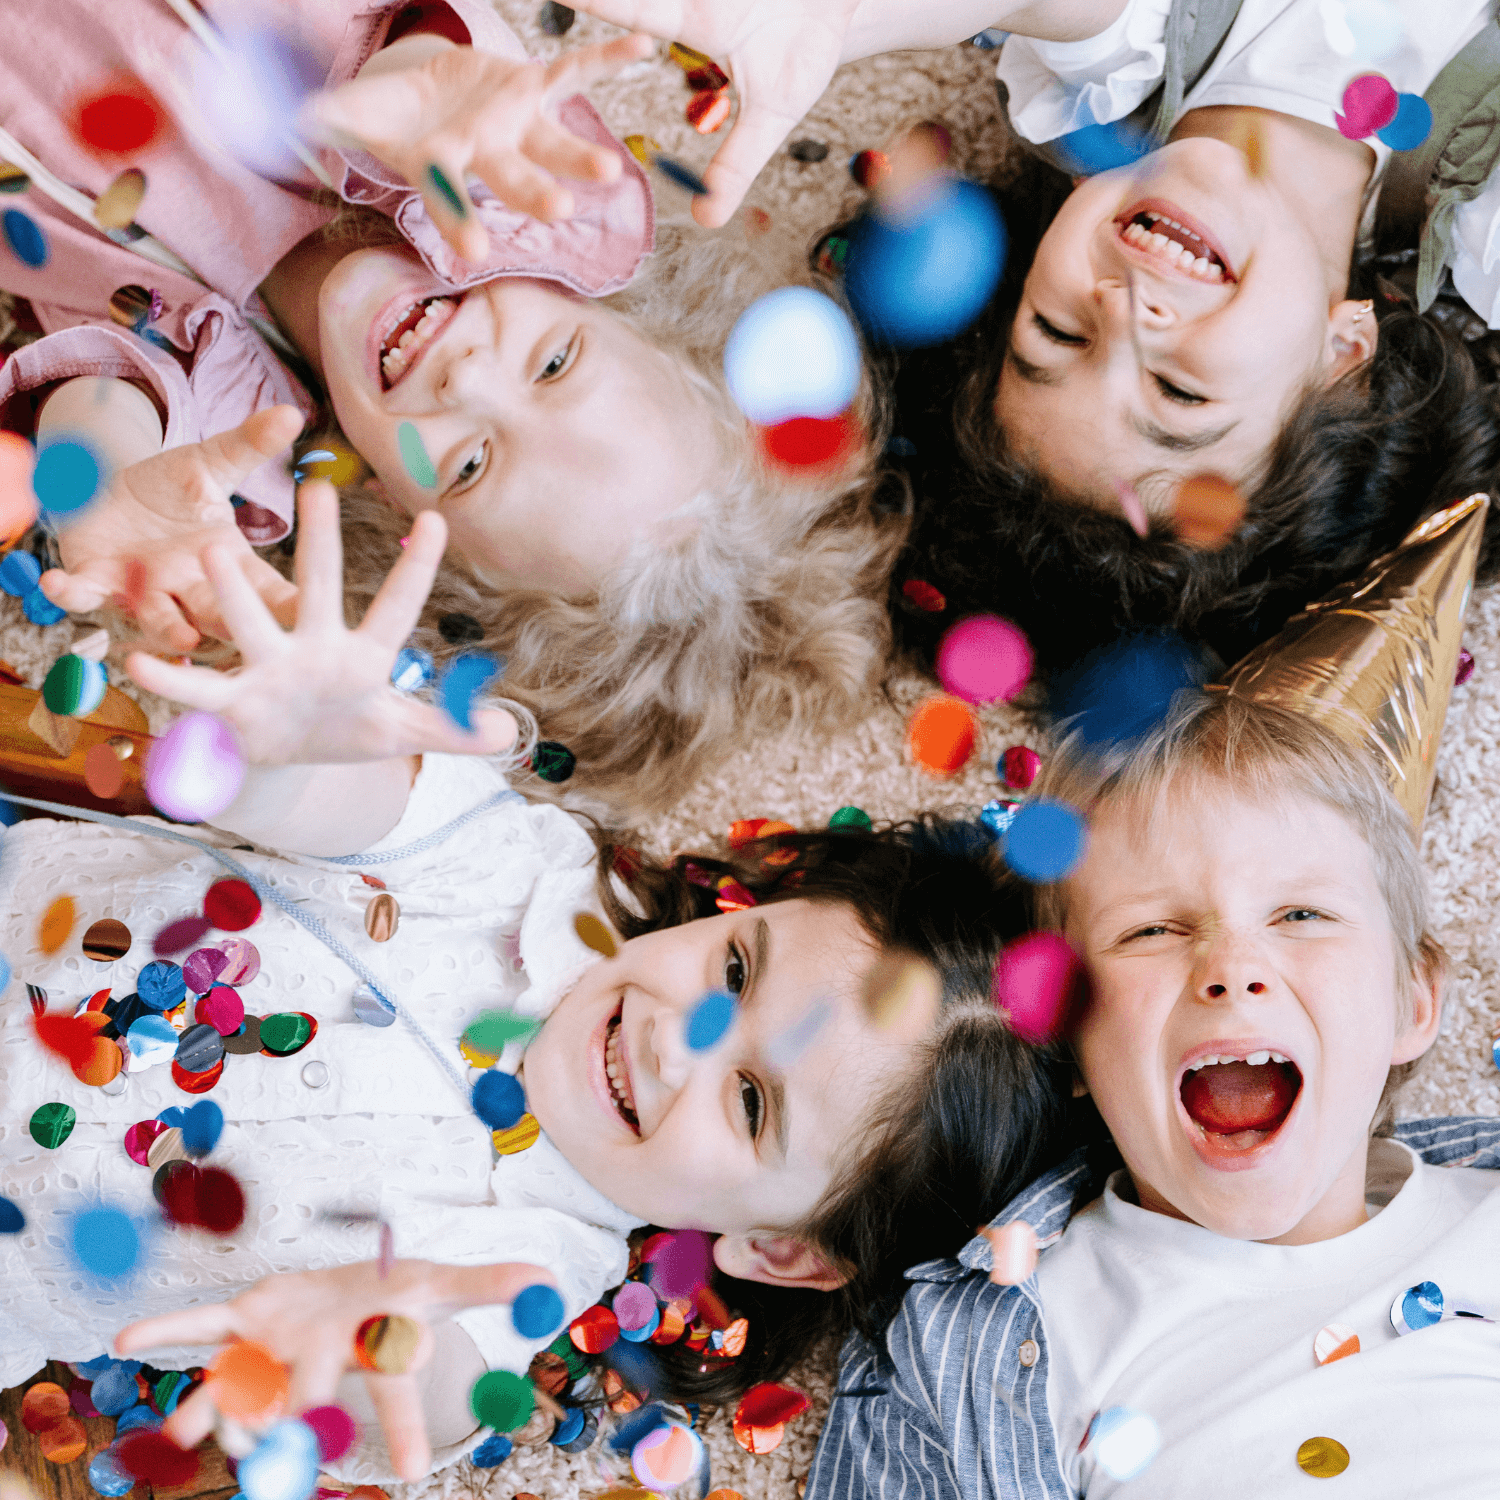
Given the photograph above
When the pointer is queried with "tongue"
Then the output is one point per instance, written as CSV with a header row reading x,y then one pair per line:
x,y
1229,1097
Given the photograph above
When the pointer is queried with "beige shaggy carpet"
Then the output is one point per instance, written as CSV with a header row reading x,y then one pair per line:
x,y
805,781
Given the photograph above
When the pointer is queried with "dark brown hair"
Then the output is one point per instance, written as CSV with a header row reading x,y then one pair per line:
x,y
976,1118
1353,469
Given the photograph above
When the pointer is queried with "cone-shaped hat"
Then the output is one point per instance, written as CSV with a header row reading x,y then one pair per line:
x,y
1374,660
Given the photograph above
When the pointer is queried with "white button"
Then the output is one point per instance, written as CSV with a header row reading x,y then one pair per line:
x,y
1028,1353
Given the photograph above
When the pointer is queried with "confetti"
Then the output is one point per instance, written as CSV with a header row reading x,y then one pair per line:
x,y
1045,841
1410,127
499,1099
1369,104
1035,982
116,206
709,1021
1322,1457
502,1400
105,1241
537,1311
334,1429
811,442
24,238
770,1405
792,353
667,1456
1122,1442
684,177
461,682
983,659
52,1124
594,934
57,922
194,771
246,1380
231,905
67,476
119,119
414,456
387,1344
940,734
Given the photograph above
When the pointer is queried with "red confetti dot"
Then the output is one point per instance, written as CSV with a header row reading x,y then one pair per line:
x,y
176,936
42,1405
769,1405
941,734
811,442
922,595
196,1083
119,119
70,1037
205,1197
594,1330
156,1459
1021,766
231,905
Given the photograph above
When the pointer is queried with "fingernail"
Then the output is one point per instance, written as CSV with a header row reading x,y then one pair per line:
x,y
439,180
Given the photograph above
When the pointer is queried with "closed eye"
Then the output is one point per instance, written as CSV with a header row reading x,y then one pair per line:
x,y
1154,929
1177,394
1054,334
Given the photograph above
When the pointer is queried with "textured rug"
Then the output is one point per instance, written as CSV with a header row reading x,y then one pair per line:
x,y
803,782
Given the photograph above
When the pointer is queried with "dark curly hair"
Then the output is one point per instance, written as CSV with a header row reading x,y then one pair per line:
x,y
1356,466
976,1118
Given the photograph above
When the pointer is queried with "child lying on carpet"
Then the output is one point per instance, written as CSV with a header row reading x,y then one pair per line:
x,y
1254,920
653,583
802,1139
1320,379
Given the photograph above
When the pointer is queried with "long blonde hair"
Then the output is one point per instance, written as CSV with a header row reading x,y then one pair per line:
x,y
767,614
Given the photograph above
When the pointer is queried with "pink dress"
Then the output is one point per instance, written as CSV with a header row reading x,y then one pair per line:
x,y
232,226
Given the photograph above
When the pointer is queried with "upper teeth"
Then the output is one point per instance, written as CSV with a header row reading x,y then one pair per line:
x,y
1255,1059
618,1080
1169,250
407,345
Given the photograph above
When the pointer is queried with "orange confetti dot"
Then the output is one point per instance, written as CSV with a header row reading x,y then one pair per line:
x,y
758,1439
18,503
63,1441
247,1380
57,922
43,1404
1206,511
103,774
734,1338
941,734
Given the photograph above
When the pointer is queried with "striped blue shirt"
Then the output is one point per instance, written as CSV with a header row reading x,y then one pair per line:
x,y
953,1402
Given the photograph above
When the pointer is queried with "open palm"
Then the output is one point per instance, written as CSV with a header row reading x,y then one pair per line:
x,y
781,55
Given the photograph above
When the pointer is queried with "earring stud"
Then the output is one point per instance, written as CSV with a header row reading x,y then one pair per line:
x,y
1364,307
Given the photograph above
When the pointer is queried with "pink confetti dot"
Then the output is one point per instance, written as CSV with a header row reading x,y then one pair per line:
x,y
1370,104
984,658
1034,983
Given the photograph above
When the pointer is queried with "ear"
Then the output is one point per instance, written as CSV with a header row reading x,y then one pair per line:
x,y
1428,981
1353,333
776,1260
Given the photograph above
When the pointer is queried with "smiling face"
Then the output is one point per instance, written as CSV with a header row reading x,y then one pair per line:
x,y
1225,928
743,1137
558,436
1171,319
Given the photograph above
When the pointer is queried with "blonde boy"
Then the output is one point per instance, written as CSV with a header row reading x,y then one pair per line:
x,y
1253,917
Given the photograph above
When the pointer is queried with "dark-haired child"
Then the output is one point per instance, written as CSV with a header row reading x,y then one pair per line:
x,y
801,1139
1253,918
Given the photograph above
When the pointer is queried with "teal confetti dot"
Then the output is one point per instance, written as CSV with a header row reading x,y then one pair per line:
x,y
66,477
24,238
414,456
463,679
106,1241
709,1020
450,194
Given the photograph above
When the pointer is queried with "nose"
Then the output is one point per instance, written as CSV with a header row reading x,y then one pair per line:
x,y
671,1058
1131,302
466,375
1230,966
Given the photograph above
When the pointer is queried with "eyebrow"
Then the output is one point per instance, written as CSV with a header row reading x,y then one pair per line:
x,y
761,941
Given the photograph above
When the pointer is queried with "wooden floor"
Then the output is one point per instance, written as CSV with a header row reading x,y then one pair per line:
x,y
23,1453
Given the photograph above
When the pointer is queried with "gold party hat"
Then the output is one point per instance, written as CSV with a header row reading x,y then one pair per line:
x,y
1374,660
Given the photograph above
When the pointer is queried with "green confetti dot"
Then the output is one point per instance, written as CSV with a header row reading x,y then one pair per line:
x,y
850,817
502,1400
414,456
490,1031
52,1124
285,1033
450,194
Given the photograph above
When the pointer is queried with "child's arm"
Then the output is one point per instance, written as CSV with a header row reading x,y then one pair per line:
x,y
309,1321
329,740
160,508
434,112
782,54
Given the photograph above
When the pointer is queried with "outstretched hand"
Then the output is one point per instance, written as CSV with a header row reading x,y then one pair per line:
x,y
141,540
321,694
465,111
309,1321
781,54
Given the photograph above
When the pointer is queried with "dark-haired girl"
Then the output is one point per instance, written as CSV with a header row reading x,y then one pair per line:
x,y
839,1128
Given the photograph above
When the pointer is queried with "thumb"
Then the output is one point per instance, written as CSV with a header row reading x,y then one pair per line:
x,y
230,456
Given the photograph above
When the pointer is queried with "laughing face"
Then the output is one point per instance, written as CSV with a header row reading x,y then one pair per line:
x,y
1246,1007
1173,315
558,435
744,1138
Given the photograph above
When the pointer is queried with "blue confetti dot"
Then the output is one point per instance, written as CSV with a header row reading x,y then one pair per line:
x,y
19,572
924,277
12,1220
24,237
284,1466
492,1452
106,1241
412,668
1044,841
161,985
173,1116
463,679
1411,126
114,1390
569,1429
1099,148
6,807
1422,1305
414,456
537,1311
92,1369
139,1415
66,477
709,1020
40,610
202,1127
684,177
106,1475
499,1099
1122,691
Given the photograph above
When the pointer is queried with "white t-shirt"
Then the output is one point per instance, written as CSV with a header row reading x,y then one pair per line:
x,y
1282,55
1213,1338
486,921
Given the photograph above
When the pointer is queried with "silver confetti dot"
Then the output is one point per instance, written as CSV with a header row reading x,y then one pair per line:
x,y
116,1085
315,1074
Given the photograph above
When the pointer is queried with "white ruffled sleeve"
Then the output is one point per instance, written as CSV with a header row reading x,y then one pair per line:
x,y
1476,260
1058,87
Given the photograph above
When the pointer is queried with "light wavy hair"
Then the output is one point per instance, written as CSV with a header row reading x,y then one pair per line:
x,y
1263,753
768,613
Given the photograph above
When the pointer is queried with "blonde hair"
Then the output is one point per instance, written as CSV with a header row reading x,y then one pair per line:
x,y
767,614
1264,753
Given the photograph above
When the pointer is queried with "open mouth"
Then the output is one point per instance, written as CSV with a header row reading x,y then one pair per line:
x,y
1168,236
617,1072
1236,1102
404,343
